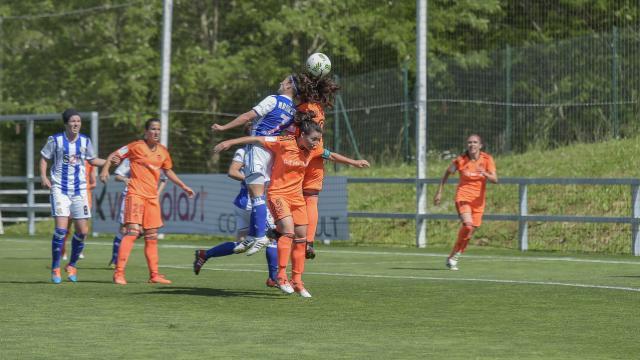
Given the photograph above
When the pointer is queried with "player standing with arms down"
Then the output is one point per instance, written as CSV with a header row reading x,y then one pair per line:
x,y
68,150
270,117
475,168
142,209
291,156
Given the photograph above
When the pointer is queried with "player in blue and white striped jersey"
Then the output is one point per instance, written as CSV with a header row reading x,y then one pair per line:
x,y
270,117
68,151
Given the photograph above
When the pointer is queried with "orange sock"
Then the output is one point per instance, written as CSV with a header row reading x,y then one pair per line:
x,y
126,244
284,252
151,253
464,234
297,260
312,216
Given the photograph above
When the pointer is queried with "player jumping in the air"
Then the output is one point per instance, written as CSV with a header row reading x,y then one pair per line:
x,y
270,117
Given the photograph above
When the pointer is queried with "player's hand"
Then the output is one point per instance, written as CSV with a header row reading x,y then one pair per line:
x,y
223,146
217,127
437,198
45,182
189,192
361,164
104,177
310,253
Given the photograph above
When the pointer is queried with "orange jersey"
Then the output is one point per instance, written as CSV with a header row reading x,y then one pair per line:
x,y
145,167
472,185
289,164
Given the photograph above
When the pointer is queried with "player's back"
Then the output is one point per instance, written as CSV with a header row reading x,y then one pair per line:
x,y
275,114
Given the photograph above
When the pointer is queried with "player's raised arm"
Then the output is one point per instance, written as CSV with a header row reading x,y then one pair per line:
x,y
225,145
113,158
341,159
238,121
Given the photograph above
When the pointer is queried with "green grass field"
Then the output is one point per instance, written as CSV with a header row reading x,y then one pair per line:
x,y
373,303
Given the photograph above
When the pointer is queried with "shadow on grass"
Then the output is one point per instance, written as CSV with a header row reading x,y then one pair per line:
x,y
418,268
198,291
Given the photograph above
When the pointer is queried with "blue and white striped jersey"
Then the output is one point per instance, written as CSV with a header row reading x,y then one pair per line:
x,y
68,171
275,114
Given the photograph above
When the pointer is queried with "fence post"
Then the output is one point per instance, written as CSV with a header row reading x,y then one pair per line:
x,y
635,218
523,229
405,90
509,126
336,129
614,84
30,186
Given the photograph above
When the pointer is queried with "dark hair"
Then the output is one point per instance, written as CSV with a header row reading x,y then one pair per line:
x,y
68,114
147,123
305,122
319,90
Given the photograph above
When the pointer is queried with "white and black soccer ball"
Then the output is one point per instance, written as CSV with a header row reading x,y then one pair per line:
x,y
318,64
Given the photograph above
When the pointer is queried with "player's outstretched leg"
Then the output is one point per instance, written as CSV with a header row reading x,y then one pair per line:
x,y
201,256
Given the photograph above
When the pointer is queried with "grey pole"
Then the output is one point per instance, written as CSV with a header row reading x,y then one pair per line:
x,y
167,13
421,123
31,215
94,132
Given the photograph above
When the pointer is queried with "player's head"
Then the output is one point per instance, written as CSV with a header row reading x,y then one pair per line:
x,y
152,130
319,90
310,131
289,86
72,121
474,144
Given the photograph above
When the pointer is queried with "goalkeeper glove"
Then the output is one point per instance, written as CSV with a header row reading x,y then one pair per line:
x,y
310,253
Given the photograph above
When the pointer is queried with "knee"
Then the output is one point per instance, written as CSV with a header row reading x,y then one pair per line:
x,y
133,232
150,236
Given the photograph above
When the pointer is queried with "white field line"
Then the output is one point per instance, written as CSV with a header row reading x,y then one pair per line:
x,y
430,278
379,253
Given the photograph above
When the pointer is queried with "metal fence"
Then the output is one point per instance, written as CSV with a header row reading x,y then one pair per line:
x,y
522,217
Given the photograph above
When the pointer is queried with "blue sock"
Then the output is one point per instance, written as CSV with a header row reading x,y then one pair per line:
x,y
272,259
56,247
77,245
258,218
223,249
116,248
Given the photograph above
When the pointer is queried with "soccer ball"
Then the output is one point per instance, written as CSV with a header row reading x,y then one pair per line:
x,y
318,64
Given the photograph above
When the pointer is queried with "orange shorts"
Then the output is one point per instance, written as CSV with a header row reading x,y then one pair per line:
x,y
313,175
468,207
142,211
281,207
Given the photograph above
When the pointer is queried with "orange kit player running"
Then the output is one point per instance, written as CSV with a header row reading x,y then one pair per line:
x,y
142,209
292,154
315,94
475,168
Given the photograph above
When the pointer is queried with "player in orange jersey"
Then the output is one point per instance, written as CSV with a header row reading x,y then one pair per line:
x,y
292,154
147,159
475,168
315,94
